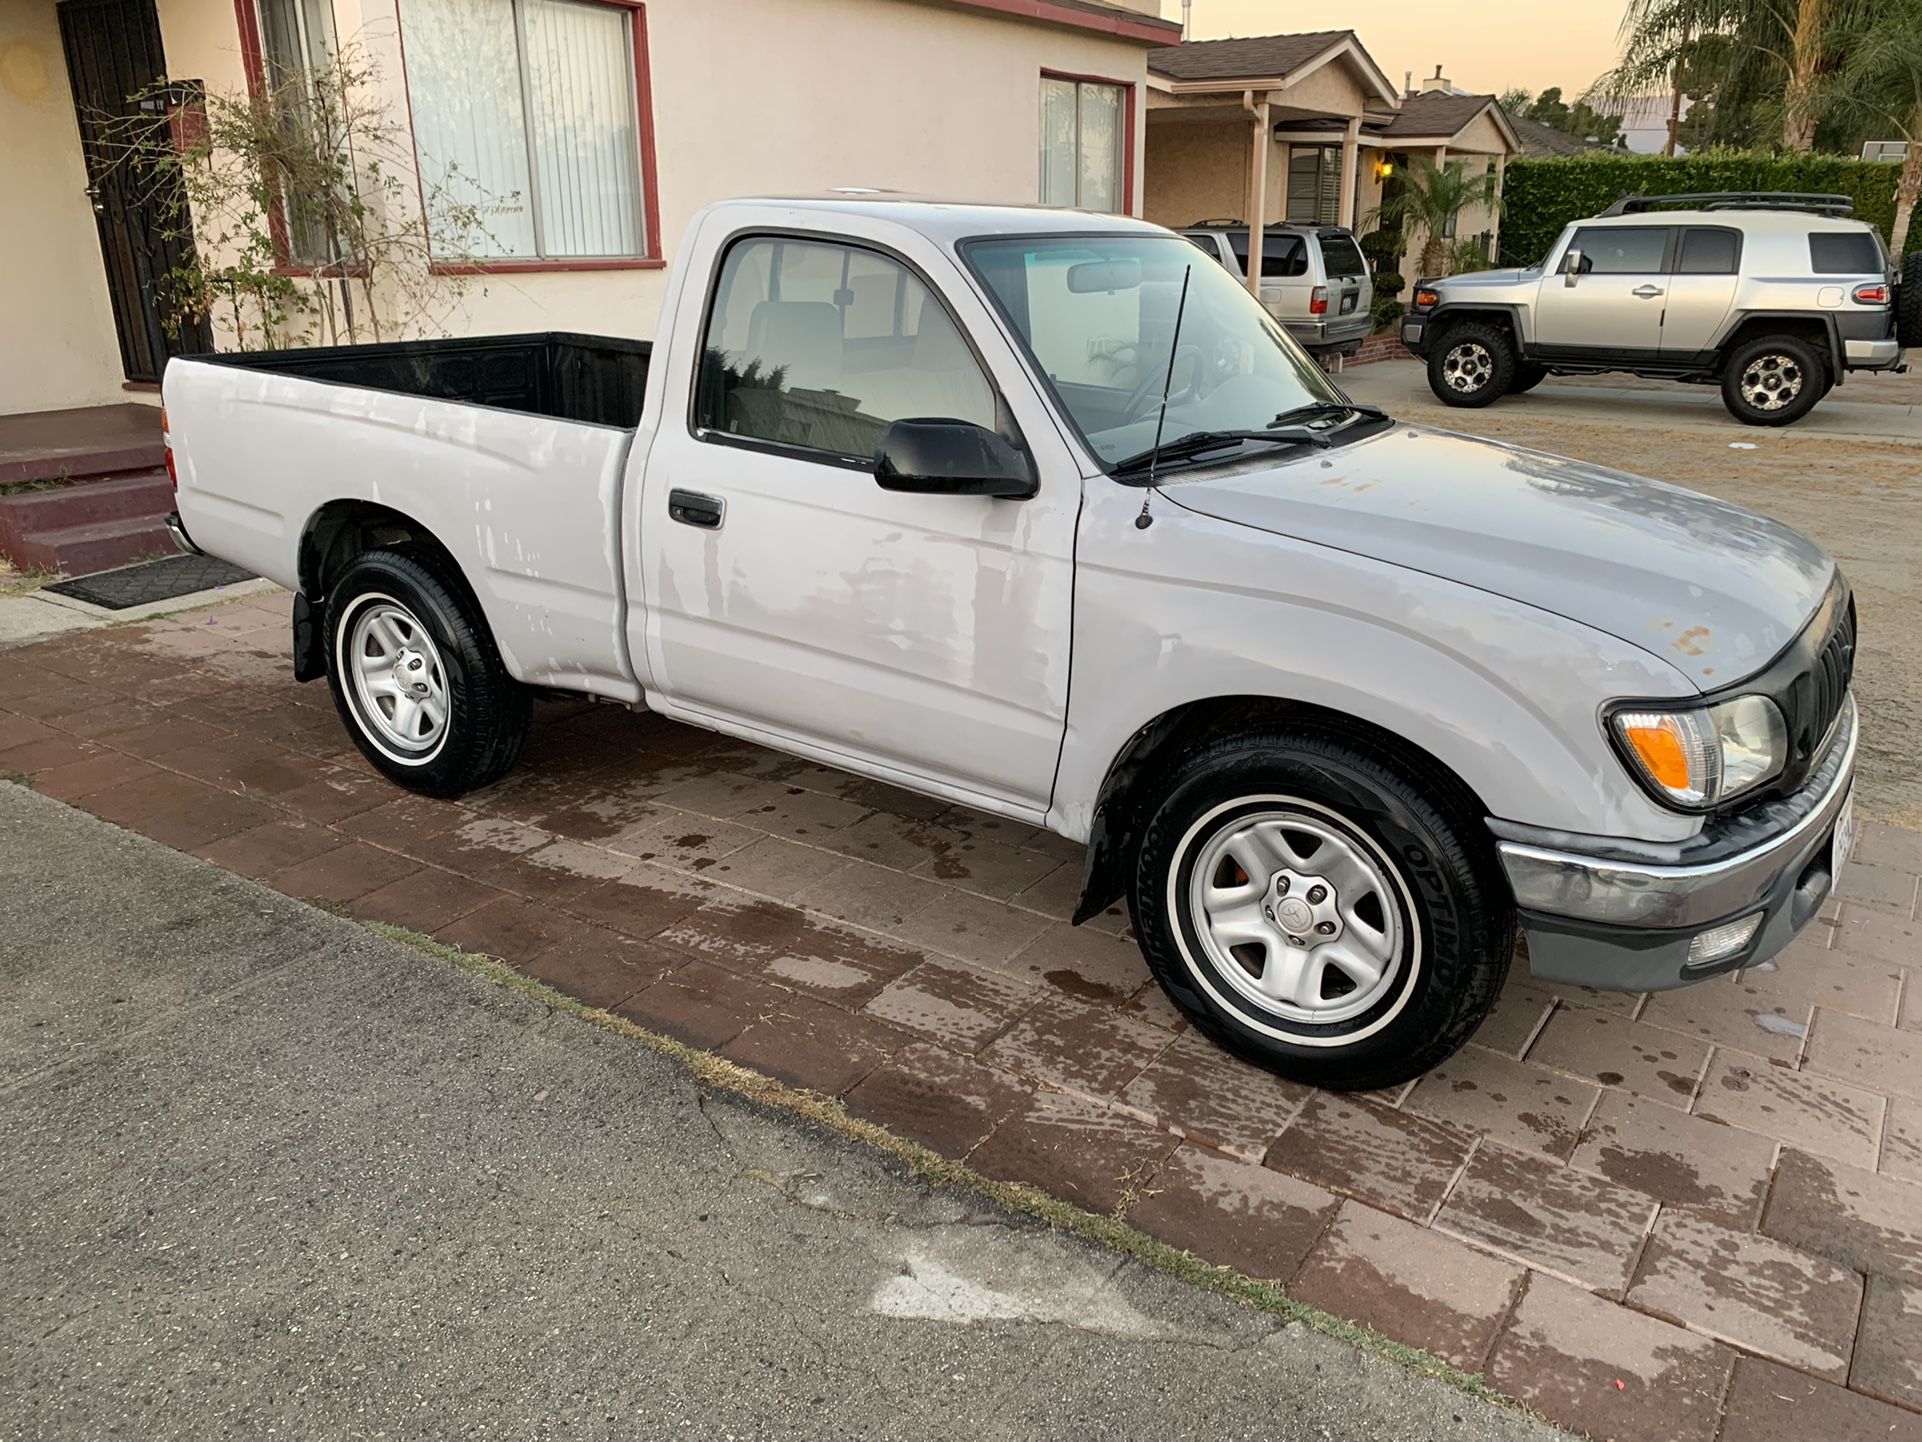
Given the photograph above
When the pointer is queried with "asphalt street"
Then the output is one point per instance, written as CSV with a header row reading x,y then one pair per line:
x,y
266,1173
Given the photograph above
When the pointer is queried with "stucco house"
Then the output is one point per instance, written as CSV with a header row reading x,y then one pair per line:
x,y
1304,128
605,124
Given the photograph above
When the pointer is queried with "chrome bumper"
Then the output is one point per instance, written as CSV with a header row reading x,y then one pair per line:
x,y
180,536
1627,924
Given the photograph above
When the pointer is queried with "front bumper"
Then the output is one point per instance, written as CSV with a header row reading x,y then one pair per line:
x,y
1413,329
1624,925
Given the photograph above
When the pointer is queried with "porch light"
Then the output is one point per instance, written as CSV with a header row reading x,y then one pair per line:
x,y
1384,169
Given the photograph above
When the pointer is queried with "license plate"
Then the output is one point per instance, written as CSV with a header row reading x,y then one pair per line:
x,y
1844,837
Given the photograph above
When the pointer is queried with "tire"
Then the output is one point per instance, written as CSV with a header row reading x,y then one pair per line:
x,y
462,720
1527,377
1404,881
1908,302
1773,380
1473,366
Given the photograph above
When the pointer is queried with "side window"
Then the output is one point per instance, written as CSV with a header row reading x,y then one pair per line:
x,y
1709,252
1620,249
1846,252
1206,244
820,345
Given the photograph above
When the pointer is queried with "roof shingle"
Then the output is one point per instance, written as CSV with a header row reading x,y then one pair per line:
x,y
1253,57
1434,112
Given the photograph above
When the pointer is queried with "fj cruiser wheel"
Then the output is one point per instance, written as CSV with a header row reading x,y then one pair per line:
x,y
1474,365
416,676
1773,380
1527,377
1908,302
1314,910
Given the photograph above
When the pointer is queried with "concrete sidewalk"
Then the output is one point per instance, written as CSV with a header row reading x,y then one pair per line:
x,y
268,1173
1854,411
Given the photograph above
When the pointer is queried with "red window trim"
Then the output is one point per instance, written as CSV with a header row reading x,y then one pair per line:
x,y
253,59
1127,89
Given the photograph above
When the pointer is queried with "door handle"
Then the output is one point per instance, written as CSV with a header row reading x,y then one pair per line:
x,y
692,508
1647,292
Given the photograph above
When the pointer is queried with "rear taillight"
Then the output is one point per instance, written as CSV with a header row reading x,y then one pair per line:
x,y
167,449
1318,300
1876,294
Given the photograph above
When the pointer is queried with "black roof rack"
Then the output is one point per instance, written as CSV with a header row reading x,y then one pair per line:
x,y
1811,201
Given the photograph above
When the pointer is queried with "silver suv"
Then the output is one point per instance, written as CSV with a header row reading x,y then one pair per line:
x,y
1772,296
1313,279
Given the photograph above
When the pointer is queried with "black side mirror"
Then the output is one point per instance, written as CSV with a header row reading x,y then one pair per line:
x,y
951,458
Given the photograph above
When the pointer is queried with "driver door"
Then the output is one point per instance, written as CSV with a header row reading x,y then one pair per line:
x,y
1614,302
925,635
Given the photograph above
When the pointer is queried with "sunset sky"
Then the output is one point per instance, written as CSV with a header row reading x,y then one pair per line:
x,y
1487,46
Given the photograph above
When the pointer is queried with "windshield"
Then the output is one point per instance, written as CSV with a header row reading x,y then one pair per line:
x,y
1098,316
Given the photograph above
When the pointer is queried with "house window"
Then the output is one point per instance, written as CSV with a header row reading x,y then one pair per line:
x,y
527,111
297,43
1083,143
1314,184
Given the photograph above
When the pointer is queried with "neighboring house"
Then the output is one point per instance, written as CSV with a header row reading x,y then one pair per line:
x,y
1545,142
1303,128
604,123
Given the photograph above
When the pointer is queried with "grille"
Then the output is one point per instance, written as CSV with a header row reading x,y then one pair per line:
x,y
1815,697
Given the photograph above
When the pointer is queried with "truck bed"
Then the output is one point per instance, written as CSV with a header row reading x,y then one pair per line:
x,y
594,379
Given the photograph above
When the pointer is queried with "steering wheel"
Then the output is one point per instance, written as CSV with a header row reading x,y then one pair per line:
x,y
1150,387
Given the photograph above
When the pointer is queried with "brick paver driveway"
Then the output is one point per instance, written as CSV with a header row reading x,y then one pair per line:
x,y
1686,1216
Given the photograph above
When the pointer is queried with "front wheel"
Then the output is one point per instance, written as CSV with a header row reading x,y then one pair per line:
x,y
1473,365
1317,912
1773,381
417,678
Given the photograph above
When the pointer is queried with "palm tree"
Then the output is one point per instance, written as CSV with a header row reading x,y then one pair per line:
x,y
1429,197
1785,46
1877,89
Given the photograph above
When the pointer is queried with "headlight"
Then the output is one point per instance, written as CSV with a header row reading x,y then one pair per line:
x,y
1701,758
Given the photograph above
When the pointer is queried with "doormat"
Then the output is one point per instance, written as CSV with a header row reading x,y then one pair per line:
x,y
151,581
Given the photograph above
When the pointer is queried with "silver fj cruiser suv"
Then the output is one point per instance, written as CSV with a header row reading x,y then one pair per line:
x,y
1772,296
1313,279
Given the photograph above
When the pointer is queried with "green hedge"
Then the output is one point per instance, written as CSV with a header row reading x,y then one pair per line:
x,y
1541,196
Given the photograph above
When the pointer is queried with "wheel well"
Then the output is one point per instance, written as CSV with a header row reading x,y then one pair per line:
x,y
1133,778
1447,320
1804,328
340,531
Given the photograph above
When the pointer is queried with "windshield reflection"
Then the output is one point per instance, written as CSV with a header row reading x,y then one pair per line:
x,y
1098,315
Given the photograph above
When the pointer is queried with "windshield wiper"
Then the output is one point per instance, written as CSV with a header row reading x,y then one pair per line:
x,y
1327,410
1196,442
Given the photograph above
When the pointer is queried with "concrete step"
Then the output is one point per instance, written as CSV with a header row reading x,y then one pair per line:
x,y
96,546
148,493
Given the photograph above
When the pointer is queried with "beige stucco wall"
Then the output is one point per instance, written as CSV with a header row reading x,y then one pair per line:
x,y
765,96
58,347
1197,171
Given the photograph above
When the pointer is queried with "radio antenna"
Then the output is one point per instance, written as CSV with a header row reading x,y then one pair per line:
x,y
1144,520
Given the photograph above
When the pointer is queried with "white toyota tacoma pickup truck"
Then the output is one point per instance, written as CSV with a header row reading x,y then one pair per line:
x,y
1040,512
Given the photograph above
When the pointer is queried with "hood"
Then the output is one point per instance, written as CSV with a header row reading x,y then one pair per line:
x,y
1715,590
1454,285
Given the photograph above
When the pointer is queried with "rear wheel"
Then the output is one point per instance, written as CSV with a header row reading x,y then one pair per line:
x,y
1908,302
1773,380
1472,366
416,676
1314,910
